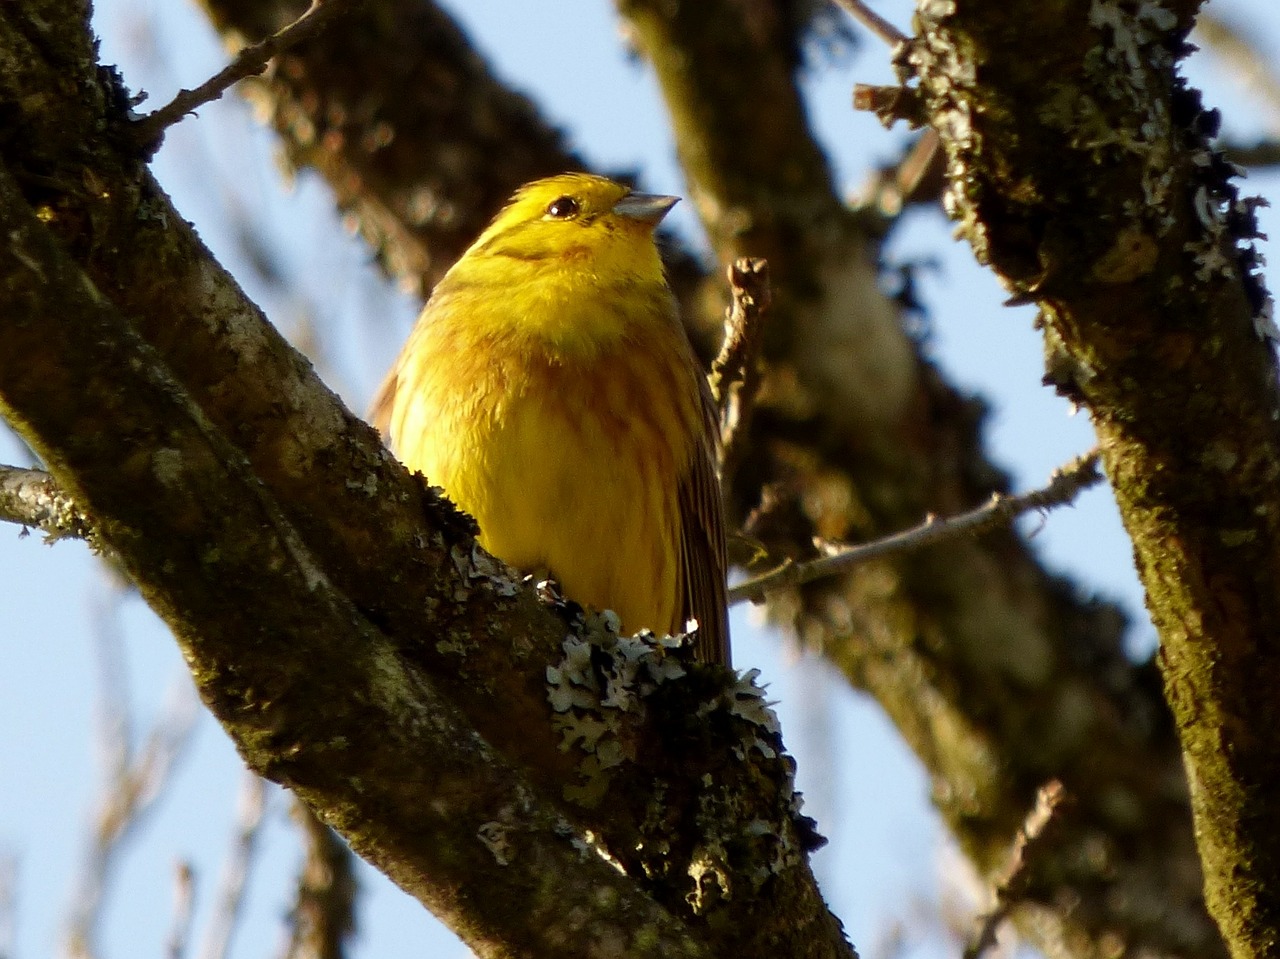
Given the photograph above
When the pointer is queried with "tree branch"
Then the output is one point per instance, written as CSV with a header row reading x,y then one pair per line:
x,y
1240,54
1136,246
229,903
1064,486
875,23
735,374
1008,886
149,130
184,886
402,116
323,916
1264,153
32,498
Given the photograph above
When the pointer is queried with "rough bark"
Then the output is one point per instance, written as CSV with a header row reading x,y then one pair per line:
x,y
1085,178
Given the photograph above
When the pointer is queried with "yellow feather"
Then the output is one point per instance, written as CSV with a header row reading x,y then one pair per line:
x,y
550,389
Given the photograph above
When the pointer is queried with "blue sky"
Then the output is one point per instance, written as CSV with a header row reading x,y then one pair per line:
x,y
867,792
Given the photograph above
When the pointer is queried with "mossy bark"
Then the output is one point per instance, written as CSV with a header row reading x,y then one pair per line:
x,y
1086,179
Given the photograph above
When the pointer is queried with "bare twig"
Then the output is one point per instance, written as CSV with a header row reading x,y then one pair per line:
x,y
1006,889
149,130
324,915
1263,153
183,900
235,871
877,24
132,781
735,374
32,498
1065,484
891,189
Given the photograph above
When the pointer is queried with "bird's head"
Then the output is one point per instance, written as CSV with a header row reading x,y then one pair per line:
x,y
578,222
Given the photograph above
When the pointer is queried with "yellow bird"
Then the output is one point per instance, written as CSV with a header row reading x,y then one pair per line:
x,y
551,390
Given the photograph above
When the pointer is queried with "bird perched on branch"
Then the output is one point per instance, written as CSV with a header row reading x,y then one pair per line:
x,y
551,390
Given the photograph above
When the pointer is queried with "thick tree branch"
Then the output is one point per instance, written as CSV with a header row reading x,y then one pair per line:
x,y
1085,179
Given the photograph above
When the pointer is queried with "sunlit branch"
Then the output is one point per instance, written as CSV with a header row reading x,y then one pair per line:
x,y
735,374
252,60
1065,484
1238,51
1006,889
916,178
877,24
33,498
323,917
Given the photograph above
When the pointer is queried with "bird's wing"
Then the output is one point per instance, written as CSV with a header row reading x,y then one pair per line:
x,y
703,557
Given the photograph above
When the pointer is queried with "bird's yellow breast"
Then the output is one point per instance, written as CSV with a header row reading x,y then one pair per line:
x,y
567,447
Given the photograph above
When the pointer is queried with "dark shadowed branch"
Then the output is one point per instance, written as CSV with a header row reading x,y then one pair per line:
x,y
323,918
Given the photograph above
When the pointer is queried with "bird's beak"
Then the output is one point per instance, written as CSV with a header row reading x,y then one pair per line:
x,y
646,207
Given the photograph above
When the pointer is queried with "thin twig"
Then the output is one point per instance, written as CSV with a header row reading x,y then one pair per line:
x,y
890,189
184,889
323,917
877,24
149,130
1007,887
33,498
235,871
1065,484
735,374
1263,153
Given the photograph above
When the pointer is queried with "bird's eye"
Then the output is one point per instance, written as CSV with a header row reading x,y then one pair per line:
x,y
562,208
